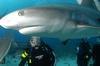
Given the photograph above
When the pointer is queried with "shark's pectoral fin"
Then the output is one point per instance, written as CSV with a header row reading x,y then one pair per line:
x,y
32,30
5,44
84,31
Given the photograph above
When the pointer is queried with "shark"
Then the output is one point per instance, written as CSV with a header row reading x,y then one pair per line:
x,y
54,21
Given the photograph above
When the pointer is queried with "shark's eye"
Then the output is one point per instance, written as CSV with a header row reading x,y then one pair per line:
x,y
21,13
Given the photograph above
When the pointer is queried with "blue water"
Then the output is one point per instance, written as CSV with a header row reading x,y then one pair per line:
x,y
65,54
7,6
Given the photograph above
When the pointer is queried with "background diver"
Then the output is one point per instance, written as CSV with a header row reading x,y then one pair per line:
x,y
40,54
83,53
96,55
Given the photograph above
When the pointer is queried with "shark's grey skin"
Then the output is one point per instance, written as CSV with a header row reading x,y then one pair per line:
x,y
87,3
54,21
95,4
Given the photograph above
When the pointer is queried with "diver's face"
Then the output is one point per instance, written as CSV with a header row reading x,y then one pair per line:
x,y
35,41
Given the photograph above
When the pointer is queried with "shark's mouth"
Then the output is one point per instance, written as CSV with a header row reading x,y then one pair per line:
x,y
28,26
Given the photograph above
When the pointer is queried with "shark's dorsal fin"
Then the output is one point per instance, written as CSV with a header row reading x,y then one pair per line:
x,y
97,3
87,3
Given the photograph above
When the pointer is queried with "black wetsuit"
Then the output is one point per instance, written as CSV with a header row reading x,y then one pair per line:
x,y
96,55
83,55
46,53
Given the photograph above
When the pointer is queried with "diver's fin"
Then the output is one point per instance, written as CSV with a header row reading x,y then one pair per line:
x,y
87,3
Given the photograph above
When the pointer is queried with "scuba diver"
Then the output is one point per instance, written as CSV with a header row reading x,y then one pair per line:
x,y
96,54
39,54
83,53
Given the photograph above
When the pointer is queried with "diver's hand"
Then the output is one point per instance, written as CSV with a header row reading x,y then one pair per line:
x,y
39,57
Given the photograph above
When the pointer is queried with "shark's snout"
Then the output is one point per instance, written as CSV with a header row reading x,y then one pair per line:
x,y
8,24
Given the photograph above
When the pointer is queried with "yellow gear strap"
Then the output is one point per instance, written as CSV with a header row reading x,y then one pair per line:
x,y
30,61
24,54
